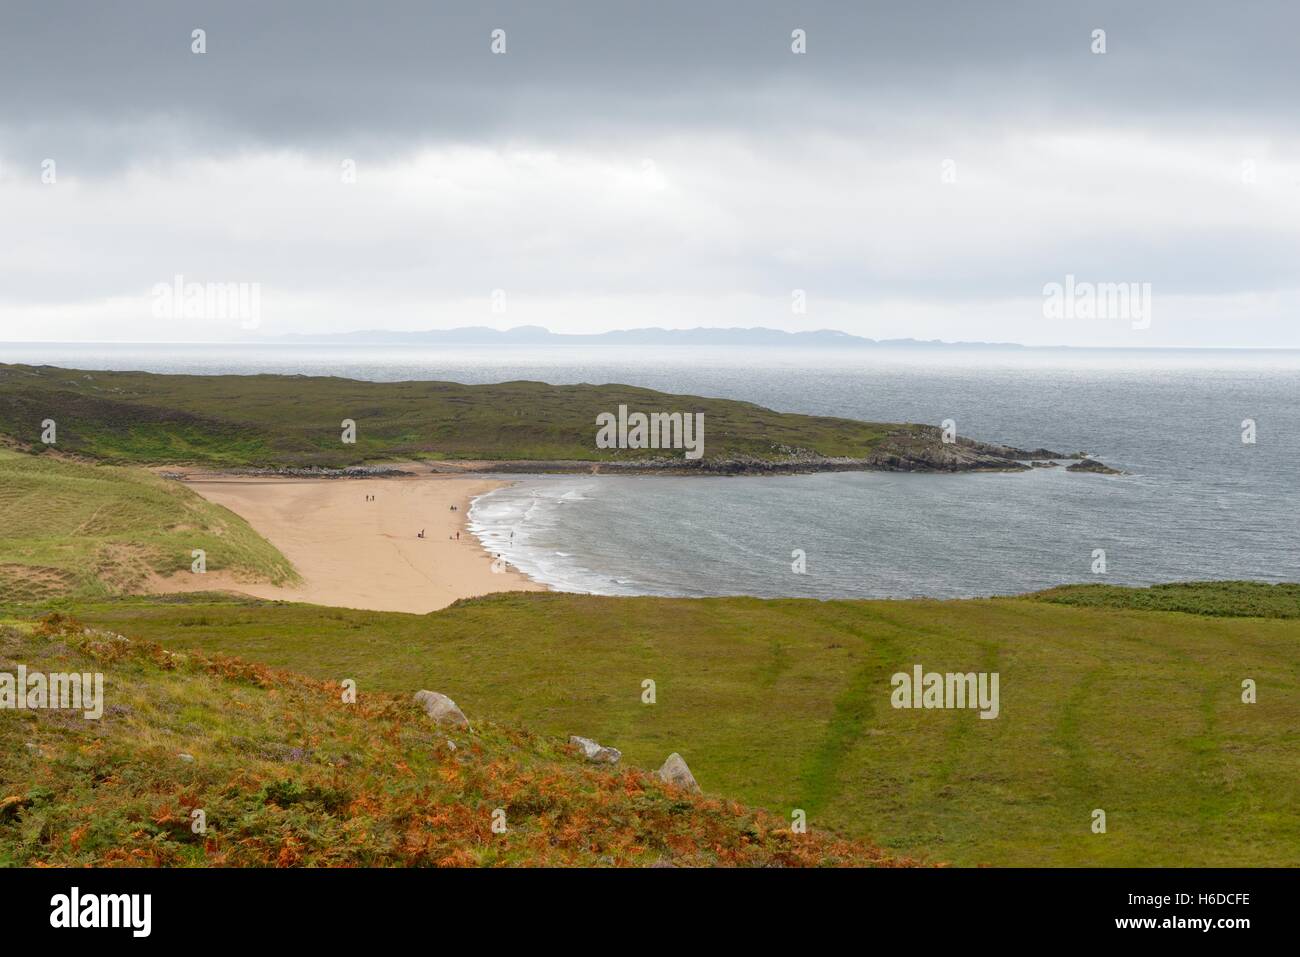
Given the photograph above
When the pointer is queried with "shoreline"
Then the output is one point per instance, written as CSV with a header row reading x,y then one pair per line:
x,y
346,565
356,544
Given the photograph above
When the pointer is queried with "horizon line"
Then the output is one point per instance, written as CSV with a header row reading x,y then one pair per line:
x,y
880,343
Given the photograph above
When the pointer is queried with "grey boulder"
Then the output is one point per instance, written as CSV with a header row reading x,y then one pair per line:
x,y
676,772
441,708
595,752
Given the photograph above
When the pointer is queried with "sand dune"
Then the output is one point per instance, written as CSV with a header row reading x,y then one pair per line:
x,y
358,554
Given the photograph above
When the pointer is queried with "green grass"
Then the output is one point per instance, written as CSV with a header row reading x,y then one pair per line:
x,y
269,420
786,704
84,530
286,773
1225,598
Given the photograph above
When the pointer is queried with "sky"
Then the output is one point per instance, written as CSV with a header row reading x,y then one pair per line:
x,y
934,170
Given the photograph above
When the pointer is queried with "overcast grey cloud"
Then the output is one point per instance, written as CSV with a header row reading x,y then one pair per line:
x,y
923,169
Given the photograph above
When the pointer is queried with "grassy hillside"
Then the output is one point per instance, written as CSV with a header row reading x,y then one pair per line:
x,y
287,774
786,704
71,528
295,420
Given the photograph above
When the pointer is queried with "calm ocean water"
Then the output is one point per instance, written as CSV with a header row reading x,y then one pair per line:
x,y
1198,502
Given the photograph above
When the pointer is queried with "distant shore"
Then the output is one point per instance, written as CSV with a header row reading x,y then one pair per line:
x,y
963,455
322,426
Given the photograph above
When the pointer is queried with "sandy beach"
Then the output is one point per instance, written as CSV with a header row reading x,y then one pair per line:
x,y
356,553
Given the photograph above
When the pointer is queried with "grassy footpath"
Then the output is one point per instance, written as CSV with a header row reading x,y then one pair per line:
x,y
786,704
262,420
71,528
285,773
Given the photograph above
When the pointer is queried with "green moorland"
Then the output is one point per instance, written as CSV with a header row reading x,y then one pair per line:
x,y
785,704
284,773
276,420
78,529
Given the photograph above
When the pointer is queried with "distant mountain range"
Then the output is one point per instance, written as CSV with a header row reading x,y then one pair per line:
x,y
701,336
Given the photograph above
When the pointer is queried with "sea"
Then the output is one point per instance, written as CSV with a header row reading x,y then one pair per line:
x,y
1197,500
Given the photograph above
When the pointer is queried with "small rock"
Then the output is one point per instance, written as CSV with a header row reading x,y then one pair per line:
x,y
187,758
676,772
441,708
451,745
594,752
1092,465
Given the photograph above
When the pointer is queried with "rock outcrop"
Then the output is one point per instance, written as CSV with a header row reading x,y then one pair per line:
x,y
677,773
1092,465
920,448
441,708
594,752
905,448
